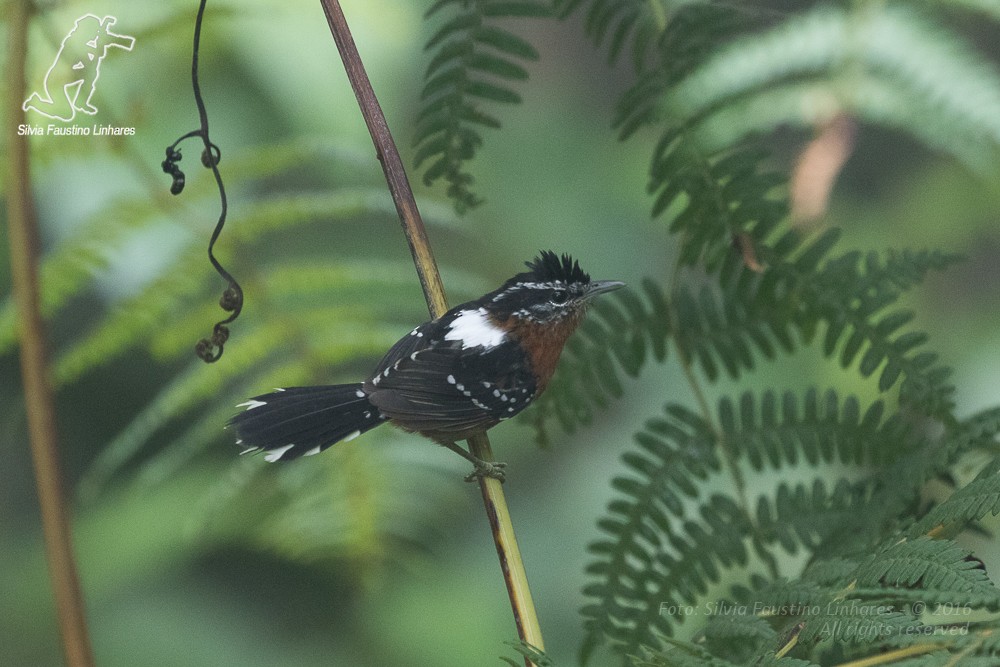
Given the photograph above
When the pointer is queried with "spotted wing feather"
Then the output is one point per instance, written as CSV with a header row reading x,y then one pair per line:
x,y
418,339
435,390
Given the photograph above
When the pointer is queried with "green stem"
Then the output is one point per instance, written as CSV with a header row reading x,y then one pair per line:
x,y
38,395
497,512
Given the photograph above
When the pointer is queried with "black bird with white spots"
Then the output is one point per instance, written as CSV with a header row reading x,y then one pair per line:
x,y
478,364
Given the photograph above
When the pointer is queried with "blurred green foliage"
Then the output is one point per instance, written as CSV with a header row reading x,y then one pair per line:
x,y
376,553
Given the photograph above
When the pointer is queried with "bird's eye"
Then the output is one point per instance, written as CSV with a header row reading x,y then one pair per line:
x,y
559,297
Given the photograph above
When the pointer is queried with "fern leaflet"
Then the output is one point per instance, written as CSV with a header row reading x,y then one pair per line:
x,y
474,61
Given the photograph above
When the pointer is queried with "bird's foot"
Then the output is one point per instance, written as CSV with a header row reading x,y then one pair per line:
x,y
494,469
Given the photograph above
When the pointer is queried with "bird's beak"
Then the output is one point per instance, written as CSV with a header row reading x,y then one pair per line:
x,y
602,286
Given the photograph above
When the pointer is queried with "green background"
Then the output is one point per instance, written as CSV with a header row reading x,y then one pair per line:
x,y
169,578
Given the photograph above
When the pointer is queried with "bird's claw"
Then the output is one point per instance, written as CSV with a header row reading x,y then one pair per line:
x,y
494,469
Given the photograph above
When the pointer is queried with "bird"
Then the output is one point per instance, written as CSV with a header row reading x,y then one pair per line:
x,y
479,364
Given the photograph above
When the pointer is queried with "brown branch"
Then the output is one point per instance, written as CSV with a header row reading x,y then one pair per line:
x,y
497,512
22,224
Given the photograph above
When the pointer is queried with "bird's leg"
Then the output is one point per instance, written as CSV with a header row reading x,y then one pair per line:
x,y
494,469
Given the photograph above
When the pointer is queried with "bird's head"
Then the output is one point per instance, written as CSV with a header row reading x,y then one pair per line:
x,y
553,291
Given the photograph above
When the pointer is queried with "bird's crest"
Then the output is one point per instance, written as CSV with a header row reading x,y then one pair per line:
x,y
550,267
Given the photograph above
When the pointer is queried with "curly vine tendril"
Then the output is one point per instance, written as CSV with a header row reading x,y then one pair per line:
x,y
208,349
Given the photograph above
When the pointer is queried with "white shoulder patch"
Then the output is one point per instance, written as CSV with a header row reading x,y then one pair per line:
x,y
474,329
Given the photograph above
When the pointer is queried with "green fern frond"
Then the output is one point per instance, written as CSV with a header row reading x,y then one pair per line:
x,y
811,517
69,269
170,402
944,68
675,449
684,654
710,199
760,288
772,595
800,288
714,332
133,321
822,429
854,514
205,429
802,45
634,598
474,60
869,598
982,427
276,213
257,163
734,635
695,83
704,193
926,570
648,558
140,318
630,562
138,322
849,294
970,503
882,585
680,32
624,22
852,303
818,59
72,265
184,392
332,512
854,621
689,654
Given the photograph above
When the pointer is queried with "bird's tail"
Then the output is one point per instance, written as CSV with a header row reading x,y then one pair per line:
x,y
302,421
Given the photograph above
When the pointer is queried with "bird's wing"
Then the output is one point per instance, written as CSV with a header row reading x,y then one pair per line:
x,y
418,339
442,388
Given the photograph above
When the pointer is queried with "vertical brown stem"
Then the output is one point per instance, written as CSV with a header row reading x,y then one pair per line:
x,y
22,224
497,512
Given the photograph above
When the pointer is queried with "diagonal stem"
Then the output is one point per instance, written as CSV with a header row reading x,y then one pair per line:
x,y
38,395
497,512
388,155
